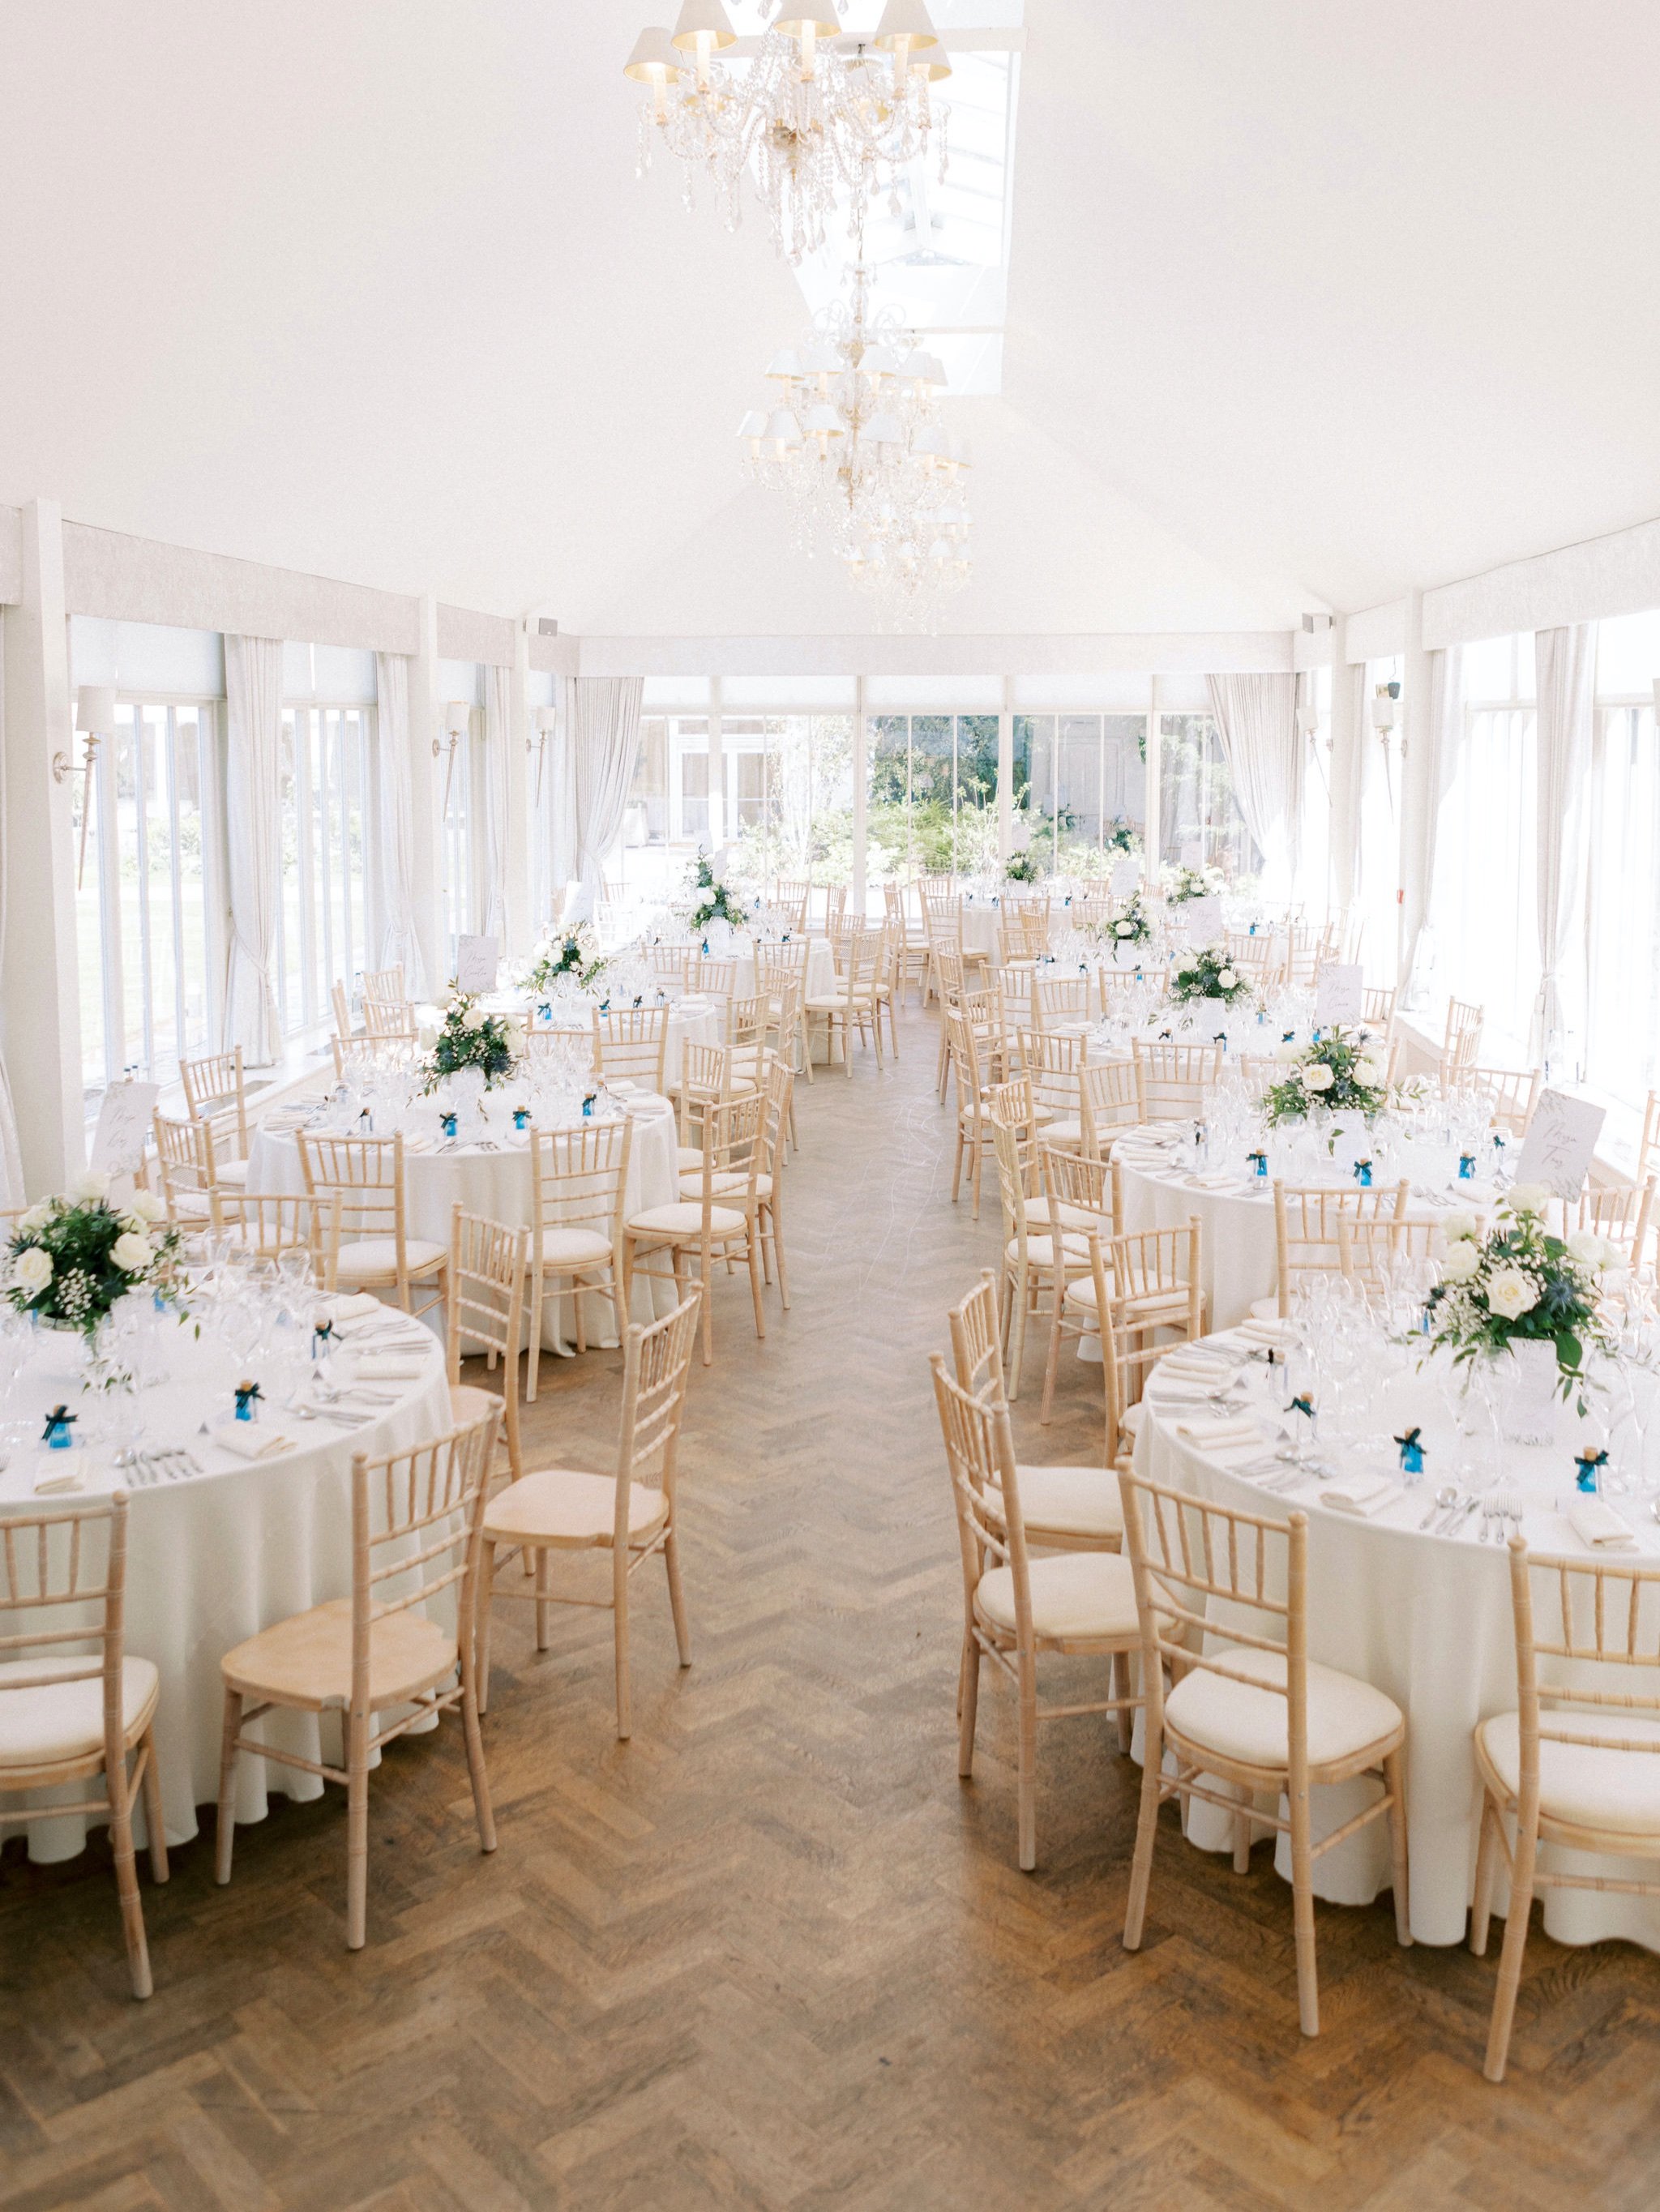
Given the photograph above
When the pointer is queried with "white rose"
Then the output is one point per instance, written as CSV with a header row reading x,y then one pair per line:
x,y
1316,1076
36,1218
1459,1226
1612,1255
1529,1198
1228,979
1288,1054
474,1018
131,1254
1460,1262
1512,1293
1124,929
32,1269
92,1186
1369,1070
1586,1247
148,1206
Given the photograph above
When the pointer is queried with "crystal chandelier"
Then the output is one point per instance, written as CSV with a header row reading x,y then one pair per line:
x,y
851,432
814,115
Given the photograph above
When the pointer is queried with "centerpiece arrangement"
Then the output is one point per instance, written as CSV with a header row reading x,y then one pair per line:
x,y
1134,925
1182,885
572,952
1121,836
70,1258
713,900
1337,1074
1209,975
471,1038
1522,1292
1025,866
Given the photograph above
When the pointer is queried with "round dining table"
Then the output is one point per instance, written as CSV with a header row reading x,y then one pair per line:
x,y
219,1546
1424,1617
692,1020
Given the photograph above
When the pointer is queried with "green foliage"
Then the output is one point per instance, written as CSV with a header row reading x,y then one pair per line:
x,y
1352,1088
471,1038
1209,975
1473,1307
575,954
716,903
79,1238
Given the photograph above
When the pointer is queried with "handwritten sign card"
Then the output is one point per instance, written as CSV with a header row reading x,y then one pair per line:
x,y
1125,876
474,964
1202,920
123,1128
1561,1139
1337,995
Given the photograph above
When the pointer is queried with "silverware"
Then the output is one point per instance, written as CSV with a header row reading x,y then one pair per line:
x,y
1447,1495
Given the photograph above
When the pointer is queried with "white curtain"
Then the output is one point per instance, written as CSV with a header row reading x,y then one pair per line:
x,y
498,736
1428,778
1565,666
605,742
1348,760
1256,719
12,1193
254,698
400,942
559,800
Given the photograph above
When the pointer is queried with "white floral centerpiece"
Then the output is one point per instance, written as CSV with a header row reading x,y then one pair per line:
x,y
71,1258
1339,1074
566,953
1521,1290
472,1038
1182,885
1209,976
1132,925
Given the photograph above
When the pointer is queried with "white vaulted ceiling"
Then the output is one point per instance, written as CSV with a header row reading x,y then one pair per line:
x,y
1306,303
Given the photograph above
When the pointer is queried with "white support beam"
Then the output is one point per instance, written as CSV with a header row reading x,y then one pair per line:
x,y
40,983
860,798
427,797
1006,774
518,800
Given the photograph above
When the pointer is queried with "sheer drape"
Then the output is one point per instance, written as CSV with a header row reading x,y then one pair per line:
x,y
253,720
12,1193
559,803
1429,779
1256,720
605,741
400,942
498,736
1564,666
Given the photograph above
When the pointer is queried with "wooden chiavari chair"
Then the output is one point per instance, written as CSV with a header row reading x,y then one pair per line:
x,y
668,965
1054,1060
485,1304
889,983
1378,1012
1462,1040
1367,1249
708,1077
370,1050
375,1251
1014,1607
854,1003
1154,1279
699,1230
1117,984
1033,1253
417,1525
385,985
711,978
1023,936
560,1510
781,978
1060,999
1253,1715
578,1195
1648,1144
1257,953
630,1044
270,1222
835,907
909,938
1305,1221
215,1093
792,901
1067,1509
1172,1081
1573,1767
389,1018
187,1163
68,1712
340,1001
1108,1105
745,1023
1623,1213
972,1095
1510,1095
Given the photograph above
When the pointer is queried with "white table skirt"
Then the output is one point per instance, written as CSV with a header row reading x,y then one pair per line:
x,y
1428,1621
497,1186
214,1558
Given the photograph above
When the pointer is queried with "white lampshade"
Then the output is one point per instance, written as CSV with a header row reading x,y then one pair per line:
x,y
1308,720
821,418
754,425
785,362
654,60
458,718
706,20
782,429
94,709
906,28
880,360
819,20
962,452
885,429
932,440
932,62
821,357
547,720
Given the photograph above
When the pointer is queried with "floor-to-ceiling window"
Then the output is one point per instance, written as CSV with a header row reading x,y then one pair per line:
x,y
932,803
149,946
1622,876
1078,780
1486,913
326,776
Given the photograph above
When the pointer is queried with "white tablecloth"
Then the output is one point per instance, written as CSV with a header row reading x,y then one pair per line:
x,y
214,1558
1426,1619
692,1020
497,1186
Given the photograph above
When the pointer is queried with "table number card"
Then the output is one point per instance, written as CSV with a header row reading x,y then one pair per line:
x,y
476,965
1126,877
1560,1141
1337,995
123,1128
1202,919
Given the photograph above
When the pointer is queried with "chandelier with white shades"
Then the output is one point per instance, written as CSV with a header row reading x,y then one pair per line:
x,y
851,430
813,115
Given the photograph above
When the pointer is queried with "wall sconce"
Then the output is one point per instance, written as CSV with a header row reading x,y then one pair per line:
x,y
94,716
1386,709
547,721
457,720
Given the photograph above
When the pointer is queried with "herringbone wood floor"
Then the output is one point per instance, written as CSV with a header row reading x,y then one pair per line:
x,y
771,1953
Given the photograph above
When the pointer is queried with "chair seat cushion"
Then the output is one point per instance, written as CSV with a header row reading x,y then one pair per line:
x,y
559,1505
1078,1594
1137,1306
574,1248
1589,1784
231,1171
685,1221
1250,1725
1040,1250
1040,1211
688,1156
1265,1309
1070,1501
378,1256
1063,1133
838,1005
305,1659
41,1725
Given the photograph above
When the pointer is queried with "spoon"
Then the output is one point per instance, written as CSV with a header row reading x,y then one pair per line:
x,y
1447,1495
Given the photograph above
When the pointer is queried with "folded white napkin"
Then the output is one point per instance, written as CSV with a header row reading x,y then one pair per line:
x,y
1209,1434
391,1366
1361,1494
353,1307
252,1440
1211,1182
1179,1393
1275,1333
1199,1367
1598,1527
50,1481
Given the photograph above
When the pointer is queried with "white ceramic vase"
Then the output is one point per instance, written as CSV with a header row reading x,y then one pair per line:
x,y
1527,1392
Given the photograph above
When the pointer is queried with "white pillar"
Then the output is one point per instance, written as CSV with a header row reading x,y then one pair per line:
x,y
1006,774
520,796
40,985
1153,839
717,778
860,799
427,797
